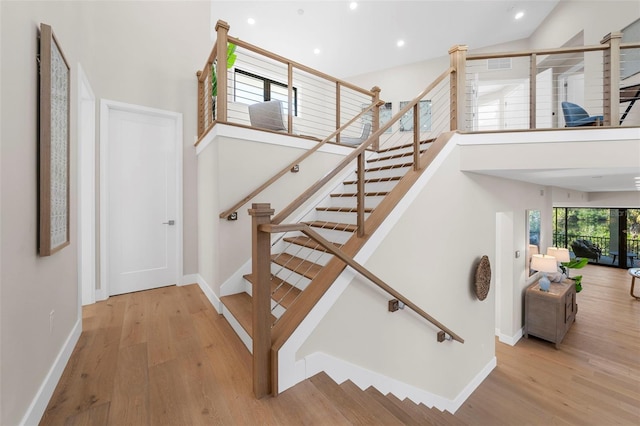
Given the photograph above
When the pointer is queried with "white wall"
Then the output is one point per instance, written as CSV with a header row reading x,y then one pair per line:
x,y
143,53
32,286
442,239
567,198
234,163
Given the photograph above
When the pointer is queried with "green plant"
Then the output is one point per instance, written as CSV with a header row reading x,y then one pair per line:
x,y
231,60
576,263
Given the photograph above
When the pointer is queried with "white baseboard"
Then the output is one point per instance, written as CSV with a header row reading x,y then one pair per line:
x,y
189,279
510,340
340,370
472,385
215,301
41,400
236,282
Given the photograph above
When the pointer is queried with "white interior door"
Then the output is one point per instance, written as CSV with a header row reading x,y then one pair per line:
x,y
142,200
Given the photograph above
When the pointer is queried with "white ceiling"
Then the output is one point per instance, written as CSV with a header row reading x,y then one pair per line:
x,y
582,179
353,42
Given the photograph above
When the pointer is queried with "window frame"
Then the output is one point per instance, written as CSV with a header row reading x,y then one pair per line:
x,y
266,87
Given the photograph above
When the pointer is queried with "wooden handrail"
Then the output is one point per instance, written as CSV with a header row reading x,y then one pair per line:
x,y
295,204
282,59
555,51
298,160
327,245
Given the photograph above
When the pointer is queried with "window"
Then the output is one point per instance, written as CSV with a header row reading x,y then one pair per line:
x,y
250,88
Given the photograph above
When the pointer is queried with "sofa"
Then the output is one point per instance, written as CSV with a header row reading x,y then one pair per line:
x,y
586,249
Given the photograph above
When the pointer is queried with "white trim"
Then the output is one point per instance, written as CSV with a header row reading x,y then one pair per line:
x,y
510,340
189,279
259,136
291,371
340,370
86,159
236,283
550,136
213,299
106,106
39,403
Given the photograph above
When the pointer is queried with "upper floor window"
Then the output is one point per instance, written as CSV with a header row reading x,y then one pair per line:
x,y
250,88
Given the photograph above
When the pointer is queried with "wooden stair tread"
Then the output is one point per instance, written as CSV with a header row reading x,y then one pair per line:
x,y
281,291
374,180
344,209
394,156
296,264
240,307
388,167
367,194
423,413
399,413
348,406
308,243
382,415
333,225
405,146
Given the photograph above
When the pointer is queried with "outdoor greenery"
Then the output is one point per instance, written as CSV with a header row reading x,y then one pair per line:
x,y
594,224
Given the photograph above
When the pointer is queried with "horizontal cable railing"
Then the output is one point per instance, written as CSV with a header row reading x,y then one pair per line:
x,y
296,162
413,137
314,104
527,89
630,84
334,250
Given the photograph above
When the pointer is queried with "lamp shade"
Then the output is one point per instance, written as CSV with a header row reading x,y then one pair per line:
x,y
543,263
561,254
533,249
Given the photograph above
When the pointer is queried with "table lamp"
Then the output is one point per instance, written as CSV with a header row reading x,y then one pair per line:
x,y
544,264
561,254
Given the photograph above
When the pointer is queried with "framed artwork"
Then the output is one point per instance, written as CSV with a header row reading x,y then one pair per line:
x,y
54,144
406,122
385,115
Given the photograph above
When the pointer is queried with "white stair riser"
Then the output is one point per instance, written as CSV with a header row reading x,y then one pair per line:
x,y
293,278
384,186
338,217
315,256
338,237
387,173
369,202
390,161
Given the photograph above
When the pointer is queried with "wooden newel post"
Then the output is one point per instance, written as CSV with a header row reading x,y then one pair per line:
x,y
375,119
611,80
222,30
261,298
458,60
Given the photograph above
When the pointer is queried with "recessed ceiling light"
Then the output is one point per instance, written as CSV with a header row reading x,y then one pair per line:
x,y
251,21
353,5
316,51
519,15
400,43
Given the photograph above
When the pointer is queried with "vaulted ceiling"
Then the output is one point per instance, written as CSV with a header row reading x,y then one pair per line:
x,y
354,41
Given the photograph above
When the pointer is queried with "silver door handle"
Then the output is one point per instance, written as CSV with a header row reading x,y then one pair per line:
x,y
171,222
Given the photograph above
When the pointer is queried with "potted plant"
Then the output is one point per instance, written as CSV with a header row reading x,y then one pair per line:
x,y
576,263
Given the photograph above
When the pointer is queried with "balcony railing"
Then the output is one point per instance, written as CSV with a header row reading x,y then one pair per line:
x,y
525,90
564,240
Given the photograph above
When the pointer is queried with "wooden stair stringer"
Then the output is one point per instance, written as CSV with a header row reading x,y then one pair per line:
x,y
292,318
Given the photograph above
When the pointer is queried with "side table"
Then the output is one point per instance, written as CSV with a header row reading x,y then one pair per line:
x,y
635,273
550,314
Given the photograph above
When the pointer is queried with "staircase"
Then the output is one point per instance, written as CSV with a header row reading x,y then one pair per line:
x,y
371,407
297,260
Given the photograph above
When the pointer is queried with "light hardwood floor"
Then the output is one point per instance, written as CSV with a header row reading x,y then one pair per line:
x,y
164,357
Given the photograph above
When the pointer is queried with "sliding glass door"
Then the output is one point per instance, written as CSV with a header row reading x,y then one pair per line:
x,y
604,236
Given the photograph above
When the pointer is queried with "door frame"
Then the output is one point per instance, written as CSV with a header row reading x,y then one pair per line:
x,y
86,190
106,107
